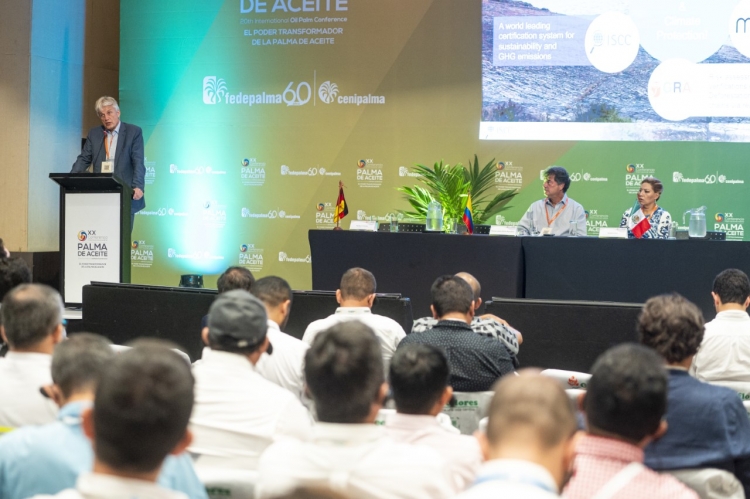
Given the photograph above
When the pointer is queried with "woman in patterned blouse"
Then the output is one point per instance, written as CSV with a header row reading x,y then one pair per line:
x,y
659,218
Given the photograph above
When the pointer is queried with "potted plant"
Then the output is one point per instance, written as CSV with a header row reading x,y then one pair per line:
x,y
450,186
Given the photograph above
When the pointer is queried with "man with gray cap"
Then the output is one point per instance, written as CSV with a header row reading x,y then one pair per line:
x,y
237,412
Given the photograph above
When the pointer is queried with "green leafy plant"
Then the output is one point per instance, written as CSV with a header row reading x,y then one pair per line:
x,y
450,186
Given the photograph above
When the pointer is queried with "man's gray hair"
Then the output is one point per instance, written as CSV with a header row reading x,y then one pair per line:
x,y
79,362
106,101
30,313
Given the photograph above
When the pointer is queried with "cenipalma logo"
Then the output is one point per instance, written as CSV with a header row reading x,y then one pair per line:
x,y
328,91
213,89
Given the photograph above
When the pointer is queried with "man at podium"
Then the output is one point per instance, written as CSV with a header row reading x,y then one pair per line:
x,y
115,147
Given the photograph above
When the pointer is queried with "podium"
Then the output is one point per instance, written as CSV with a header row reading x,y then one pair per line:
x,y
94,231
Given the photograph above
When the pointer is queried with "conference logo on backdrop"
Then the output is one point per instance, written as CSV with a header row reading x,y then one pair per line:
x,y
634,175
324,216
328,92
160,212
507,176
250,257
271,214
197,170
404,172
253,172
82,235
711,178
501,220
732,225
595,222
213,89
310,172
369,173
141,254
586,177
214,214
283,257
362,215
150,175
196,255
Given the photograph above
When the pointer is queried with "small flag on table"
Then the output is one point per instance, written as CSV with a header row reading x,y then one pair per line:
x,y
341,209
638,223
468,218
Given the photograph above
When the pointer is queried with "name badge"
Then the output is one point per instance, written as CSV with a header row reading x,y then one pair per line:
x,y
108,166
365,225
613,233
502,230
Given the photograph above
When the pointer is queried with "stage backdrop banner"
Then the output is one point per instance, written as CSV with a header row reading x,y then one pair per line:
x,y
254,110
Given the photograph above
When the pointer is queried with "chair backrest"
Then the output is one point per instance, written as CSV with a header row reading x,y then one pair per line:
x,y
710,483
574,393
483,424
443,419
746,403
469,409
227,483
125,348
382,415
568,379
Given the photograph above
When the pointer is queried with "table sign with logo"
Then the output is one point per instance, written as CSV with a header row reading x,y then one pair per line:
x,y
94,231
503,230
365,225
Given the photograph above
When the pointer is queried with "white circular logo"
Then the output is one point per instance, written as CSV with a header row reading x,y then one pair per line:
x,y
671,87
171,211
322,171
612,42
587,176
282,214
328,91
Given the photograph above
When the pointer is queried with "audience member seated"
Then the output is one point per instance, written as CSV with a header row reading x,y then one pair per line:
x,y
4,253
356,295
232,278
31,326
624,405
284,367
238,412
724,355
13,271
47,459
419,383
476,361
487,324
140,416
529,440
344,374
311,493
708,425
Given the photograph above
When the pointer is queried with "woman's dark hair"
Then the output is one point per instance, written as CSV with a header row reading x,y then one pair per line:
x,y
655,184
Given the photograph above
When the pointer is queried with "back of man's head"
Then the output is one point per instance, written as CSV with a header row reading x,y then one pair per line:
x,y
476,288
30,313
529,407
451,294
732,286
344,372
627,394
142,407
272,291
79,362
235,278
418,377
357,284
672,326
13,271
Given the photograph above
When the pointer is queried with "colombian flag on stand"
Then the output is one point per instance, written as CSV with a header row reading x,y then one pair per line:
x,y
468,218
341,209
638,223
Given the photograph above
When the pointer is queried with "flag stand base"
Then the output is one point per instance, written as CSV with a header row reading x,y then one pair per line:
x,y
337,228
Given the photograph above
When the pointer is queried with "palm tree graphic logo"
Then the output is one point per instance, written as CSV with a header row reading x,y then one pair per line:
x,y
213,89
328,92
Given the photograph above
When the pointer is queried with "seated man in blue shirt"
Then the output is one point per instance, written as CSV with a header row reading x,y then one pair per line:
x,y
476,362
708,426
48,459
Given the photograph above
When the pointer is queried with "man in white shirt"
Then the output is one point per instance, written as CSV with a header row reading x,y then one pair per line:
x,y
31,326
419,377
356,295
529,442
238,413
724,355
348,453
284,367
143,404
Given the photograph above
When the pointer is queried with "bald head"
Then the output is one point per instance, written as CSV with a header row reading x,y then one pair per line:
x,y
476,289
530,407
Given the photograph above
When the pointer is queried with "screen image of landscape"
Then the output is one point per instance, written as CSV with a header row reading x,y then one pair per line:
x,y
616,70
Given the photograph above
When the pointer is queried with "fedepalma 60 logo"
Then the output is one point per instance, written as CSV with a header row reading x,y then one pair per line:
x,y
216,91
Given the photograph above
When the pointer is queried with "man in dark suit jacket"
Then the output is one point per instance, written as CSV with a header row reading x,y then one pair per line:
x,y
117,141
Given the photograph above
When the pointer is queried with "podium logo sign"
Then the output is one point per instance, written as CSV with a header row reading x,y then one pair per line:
x,y
251,257
141,254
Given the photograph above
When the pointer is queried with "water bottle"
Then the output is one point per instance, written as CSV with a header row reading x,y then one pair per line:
x,y
697,226
434,222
